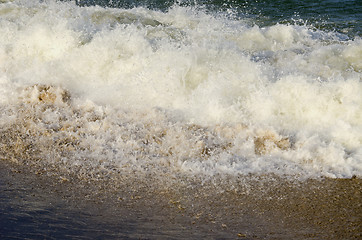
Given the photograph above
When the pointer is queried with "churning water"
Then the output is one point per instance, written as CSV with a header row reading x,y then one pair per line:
x,y
184,90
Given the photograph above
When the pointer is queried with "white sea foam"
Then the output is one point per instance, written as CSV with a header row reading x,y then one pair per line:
x,y
181,90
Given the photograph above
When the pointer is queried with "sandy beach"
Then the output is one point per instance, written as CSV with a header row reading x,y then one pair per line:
x,y
52,206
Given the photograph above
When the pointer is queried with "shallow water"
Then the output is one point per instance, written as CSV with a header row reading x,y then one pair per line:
x,y
33,207
44,205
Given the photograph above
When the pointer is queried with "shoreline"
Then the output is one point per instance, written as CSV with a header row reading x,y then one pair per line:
x,y
132,208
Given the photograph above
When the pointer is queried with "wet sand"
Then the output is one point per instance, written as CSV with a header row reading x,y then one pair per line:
x,y
49,205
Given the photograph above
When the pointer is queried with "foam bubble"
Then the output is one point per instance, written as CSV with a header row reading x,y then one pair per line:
x,y
180,91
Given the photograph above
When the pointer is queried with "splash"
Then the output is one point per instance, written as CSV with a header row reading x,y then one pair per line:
x,y
178,92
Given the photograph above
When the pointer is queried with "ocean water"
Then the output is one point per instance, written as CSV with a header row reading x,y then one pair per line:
x,y
180,119
192,88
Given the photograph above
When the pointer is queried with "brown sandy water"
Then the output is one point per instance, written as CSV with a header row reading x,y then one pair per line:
x,y
49,205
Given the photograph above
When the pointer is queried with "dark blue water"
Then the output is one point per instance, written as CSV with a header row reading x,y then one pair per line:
x,y
344,16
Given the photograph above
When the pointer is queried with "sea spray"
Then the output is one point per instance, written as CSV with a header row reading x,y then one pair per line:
x,y
178,92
